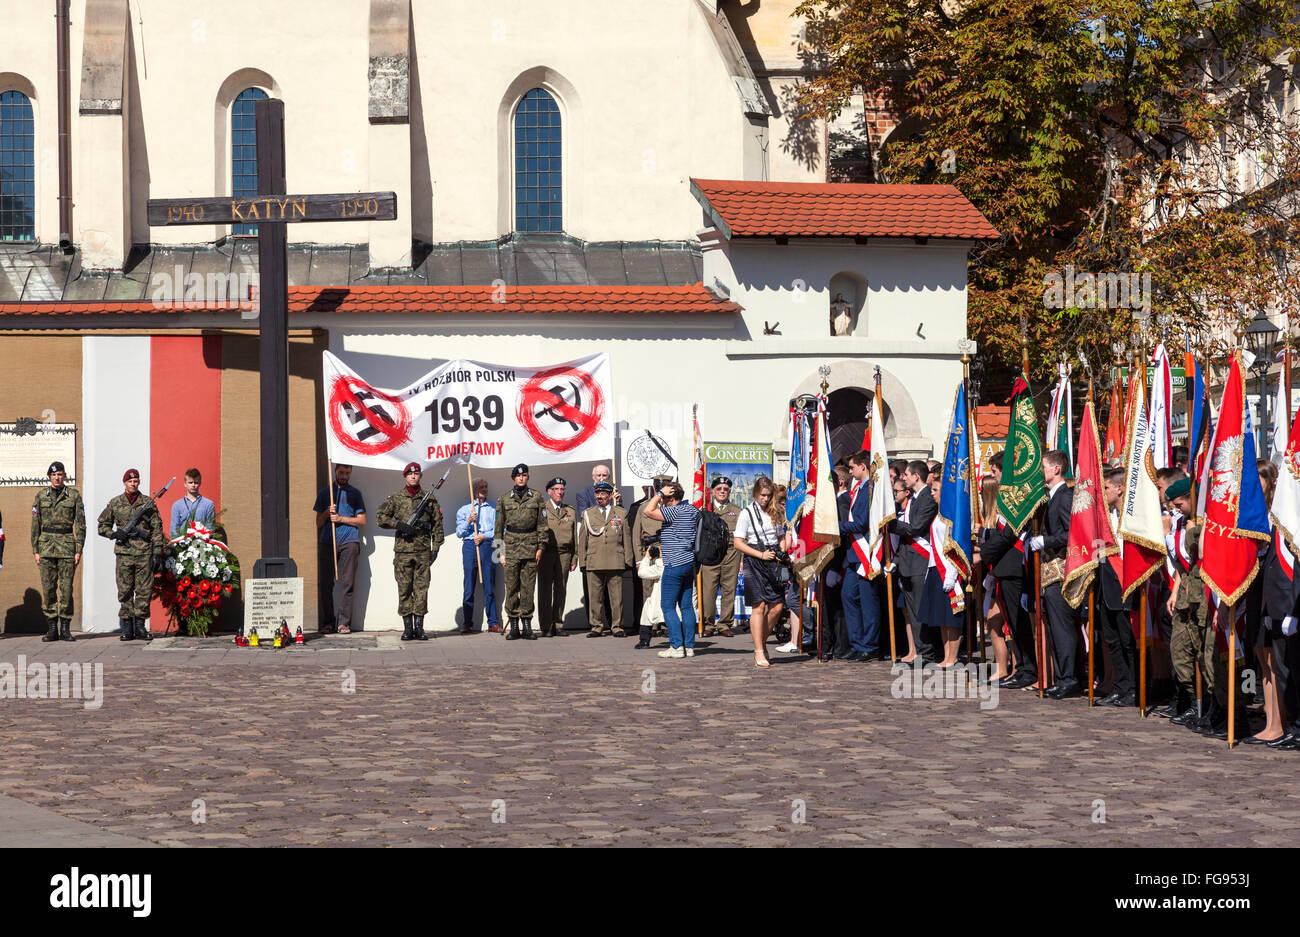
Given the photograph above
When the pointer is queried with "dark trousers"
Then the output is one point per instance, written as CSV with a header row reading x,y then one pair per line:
x,y
1064,625
1022,626
861,612
1291,685
348,554
835,632
1117,632
471,582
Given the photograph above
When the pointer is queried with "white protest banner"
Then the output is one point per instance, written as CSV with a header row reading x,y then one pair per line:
x,y
470,411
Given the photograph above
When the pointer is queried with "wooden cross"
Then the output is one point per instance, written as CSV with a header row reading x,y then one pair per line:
x,y
271,209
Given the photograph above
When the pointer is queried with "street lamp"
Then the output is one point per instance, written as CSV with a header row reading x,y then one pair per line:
x,y
1261,337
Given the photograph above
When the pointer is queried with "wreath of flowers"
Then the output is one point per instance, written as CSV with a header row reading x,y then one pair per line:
x,y
199,572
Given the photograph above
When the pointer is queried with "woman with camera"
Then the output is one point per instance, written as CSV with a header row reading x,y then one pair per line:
x,y
677,543
762,537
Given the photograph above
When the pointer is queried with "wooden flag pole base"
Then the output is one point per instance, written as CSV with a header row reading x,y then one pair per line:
x,y
1092,640
1142,662
1232,677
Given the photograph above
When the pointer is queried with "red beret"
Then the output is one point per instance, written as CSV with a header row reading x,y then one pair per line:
x,y
412,467
130,473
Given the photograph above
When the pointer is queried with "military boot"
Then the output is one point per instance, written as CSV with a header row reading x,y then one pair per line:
x,y
528,630
127,631
142,630
513,633
53,633
408,627
419,628
1186,707
65,629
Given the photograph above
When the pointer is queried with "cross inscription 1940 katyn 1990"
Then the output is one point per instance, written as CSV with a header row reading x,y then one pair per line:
x,y
271,210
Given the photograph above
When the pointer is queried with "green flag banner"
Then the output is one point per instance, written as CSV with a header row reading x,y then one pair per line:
x,y
1022,489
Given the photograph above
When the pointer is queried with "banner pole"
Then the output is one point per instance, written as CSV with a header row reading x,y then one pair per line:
x,y
1040,639
1092,638
334,528
478,560
885,543
821,602
1232,676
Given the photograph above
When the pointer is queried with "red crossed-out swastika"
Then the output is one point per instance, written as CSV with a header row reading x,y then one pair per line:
x,y
366,420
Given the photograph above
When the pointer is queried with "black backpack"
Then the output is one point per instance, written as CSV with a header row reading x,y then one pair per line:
x,y
712,539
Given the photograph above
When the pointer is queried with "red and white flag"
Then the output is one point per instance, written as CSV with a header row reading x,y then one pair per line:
x,y
1141,527
1162,395
697,486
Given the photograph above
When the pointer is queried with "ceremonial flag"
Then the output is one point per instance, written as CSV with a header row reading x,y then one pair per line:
x,y
1022,489
1114,447
697,486
1162,395
1091,537
955,497
881,511
1060,419
1140,524
1281,423
1235,513
797,488
819,529
1199,439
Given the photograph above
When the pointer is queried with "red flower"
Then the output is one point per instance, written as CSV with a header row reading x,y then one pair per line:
x,y
185,583
204,586
228,588
192,595
214,599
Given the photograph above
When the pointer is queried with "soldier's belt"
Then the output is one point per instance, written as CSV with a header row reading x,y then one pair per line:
x,y
56,529
521,530
1053,571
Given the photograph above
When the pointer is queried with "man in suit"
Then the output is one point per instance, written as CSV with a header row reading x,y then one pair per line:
x,y
858,594
1116,628
1052,542
1004,557
913,530
605,552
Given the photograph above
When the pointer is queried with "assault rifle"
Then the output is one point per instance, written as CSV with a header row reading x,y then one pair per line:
x,y
131,528
412,523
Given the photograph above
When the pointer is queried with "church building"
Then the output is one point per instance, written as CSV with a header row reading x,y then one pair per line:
x,y
572,177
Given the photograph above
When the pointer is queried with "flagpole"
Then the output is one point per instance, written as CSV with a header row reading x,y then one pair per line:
x,y
1040,649
334,527
1142,595
1092,586
970,473
885,535
478,560
707,497
1232,676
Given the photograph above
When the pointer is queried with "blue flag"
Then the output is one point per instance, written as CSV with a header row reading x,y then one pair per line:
x,y
955,494
1200,416
797,490
1252,515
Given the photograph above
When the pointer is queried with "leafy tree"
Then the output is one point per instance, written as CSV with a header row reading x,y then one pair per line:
x,y
1139,136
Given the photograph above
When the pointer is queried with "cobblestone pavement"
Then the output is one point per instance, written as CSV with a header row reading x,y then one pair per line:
x,y
560,741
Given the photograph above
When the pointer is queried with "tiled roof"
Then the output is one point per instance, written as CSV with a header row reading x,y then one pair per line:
x,y
815,209
992,421
358,300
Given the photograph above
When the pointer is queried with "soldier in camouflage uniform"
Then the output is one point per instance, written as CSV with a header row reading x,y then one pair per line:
x,y
415,548
58,535
139,553
522,531
1192,639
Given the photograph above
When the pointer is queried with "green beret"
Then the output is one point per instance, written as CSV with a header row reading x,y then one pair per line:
x,y
1179,489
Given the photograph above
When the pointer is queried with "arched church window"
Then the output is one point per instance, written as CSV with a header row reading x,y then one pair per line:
x,y
243,150
17,168
538,197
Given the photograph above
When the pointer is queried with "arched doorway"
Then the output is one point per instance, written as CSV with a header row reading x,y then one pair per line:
x,y
847,417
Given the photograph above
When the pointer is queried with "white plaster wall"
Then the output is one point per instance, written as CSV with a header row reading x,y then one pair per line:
x,y
660,368
27,50
908,285
115,437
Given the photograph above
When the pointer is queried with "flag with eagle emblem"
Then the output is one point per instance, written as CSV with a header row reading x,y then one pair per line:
x,y
1236,516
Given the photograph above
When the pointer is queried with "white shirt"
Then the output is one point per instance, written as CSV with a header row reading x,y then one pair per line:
x,y
765,533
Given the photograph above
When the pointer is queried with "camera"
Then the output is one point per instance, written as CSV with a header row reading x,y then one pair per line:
x,y
647,539
654,552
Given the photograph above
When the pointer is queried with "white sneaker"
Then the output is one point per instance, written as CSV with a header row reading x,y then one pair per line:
x,y
690,652
789,648
672,652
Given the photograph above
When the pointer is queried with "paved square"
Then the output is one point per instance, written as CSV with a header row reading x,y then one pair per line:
x,y
477,741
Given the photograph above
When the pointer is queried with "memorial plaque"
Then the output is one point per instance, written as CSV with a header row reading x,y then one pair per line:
x,y
267,602
27,448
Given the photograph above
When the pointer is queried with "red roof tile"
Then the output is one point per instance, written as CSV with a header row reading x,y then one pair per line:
x,y
690,299
808,209
992,421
